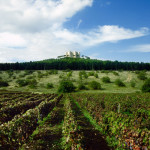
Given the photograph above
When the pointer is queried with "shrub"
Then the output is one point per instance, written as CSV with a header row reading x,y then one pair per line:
x,y
82,86
67,70
146,86
22,82
105,71
28,72
91,73
96,75
69,74
106,79
32,83
49,85
40,75
3,83
83,74
95,85
142,75
132,83
66,86
30,77
115,73
119,83
53,72
22,75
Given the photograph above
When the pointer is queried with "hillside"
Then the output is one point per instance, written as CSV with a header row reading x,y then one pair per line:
x,y
75,64
36,81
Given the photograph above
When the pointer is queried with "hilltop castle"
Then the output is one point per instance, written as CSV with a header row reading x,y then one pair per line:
x,y
74,54
71,55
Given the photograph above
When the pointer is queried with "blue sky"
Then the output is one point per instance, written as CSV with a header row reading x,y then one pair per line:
x,y
102,29
130,14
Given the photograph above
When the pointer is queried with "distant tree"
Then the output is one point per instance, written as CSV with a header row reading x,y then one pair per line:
x,y
3,83
142,75
119,83
106,79
22,82
81,86
50,85
66,86
146,86
133,83
95,85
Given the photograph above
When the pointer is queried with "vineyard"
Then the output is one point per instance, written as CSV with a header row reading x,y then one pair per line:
x,y
74,121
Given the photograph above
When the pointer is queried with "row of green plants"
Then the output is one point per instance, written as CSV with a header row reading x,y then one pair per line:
x,y
71,138
17,131
14,108
7,114
123,119
11,99
49,132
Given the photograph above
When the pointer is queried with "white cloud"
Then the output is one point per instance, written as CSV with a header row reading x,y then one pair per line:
x,y
79,22
11,40
33,29
37,15
140,48
100,35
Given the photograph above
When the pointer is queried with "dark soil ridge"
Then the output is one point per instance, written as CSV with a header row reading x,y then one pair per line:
x,y
92,138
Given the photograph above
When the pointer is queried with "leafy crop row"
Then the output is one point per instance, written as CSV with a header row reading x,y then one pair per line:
x,y
123,119
17,131
71,138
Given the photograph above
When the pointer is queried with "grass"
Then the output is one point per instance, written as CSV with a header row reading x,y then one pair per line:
x,y
126,76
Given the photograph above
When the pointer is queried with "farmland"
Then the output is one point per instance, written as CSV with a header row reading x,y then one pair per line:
x,y
74,121
33,115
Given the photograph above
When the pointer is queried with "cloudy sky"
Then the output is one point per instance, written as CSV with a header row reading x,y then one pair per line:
x,y
102,29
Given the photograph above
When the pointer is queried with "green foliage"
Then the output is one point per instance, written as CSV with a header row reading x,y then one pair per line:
x,y
105,71
146,86
30,77
115,73
40,75
66,86
3,83
67,70
83,74
22,82
81,86
32,83
119,83
95,85
142,75
10,72
96,75
132,83
122,118
75,64
106,79
28,72
53,71
91,73
69,74
50,85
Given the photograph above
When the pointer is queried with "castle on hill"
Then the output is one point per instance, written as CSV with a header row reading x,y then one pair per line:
x,y
73,54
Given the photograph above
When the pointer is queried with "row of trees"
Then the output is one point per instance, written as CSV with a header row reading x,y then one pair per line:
x,y
75,64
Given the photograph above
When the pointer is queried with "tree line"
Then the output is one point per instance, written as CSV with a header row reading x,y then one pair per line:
x,y
75,64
